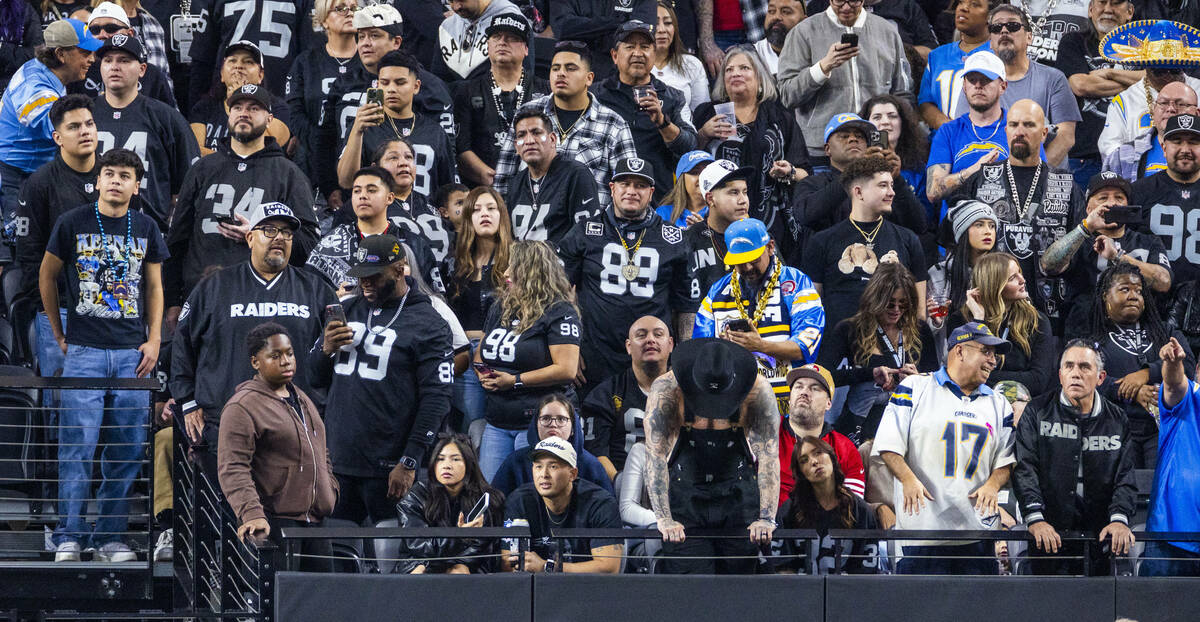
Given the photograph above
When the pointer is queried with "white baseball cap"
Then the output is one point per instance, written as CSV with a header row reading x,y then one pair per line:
x,y
109,10
556,447
384,16
986,63
720,172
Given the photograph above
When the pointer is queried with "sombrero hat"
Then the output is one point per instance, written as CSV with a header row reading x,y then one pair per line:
x,y
1151,43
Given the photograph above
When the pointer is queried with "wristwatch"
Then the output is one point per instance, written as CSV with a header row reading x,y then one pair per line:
x,y
409,463
517,384
549,567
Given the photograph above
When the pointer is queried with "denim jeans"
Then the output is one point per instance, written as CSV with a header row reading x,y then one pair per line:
x,y
1187,563
469,397
50,359
497,445
121,433
1083,169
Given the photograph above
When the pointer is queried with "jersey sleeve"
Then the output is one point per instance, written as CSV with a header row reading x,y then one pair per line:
x,y
184,149
685,290
1003,451
434,378
599,419
926,95
189,334
570,251
463,112
563,326
582,202
1025,480
852,465
33,233
706,321
808,318
892,434
940,151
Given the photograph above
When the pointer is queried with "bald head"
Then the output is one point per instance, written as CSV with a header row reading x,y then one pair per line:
x,y
1026,131
649,341
1174,98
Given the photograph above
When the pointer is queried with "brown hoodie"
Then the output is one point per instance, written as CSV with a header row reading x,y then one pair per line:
x,y
271,464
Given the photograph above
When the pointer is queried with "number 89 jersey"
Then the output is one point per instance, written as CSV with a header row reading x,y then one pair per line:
x,y
507,349
599,267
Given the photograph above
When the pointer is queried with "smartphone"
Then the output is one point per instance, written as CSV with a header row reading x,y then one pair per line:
x,y
1124,215
335,313
482,369
740,325
850,38
481,506
883,142
229,219
375,96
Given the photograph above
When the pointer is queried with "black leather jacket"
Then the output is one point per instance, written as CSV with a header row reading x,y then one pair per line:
x,y
412,515
1050,442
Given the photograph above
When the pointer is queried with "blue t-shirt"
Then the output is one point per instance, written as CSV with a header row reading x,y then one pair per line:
x,y
665,212
942,83
105,299
1175,496
1156,160
961,144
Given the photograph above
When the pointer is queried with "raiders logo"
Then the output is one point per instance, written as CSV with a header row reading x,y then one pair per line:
x,y
120,40
636,165
625,6
249,89
1018,237
187,308
672,235
89,187
360,255
990,192
1185,121
594,228
1135,342
992,173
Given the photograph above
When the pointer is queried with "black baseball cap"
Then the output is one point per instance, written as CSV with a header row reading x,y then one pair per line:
x,y
253,92
246,46
633,167
123,43
375,253
509,22
631,28
1182,124
1109,179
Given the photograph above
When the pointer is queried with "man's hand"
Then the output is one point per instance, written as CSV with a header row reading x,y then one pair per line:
x,y
914,496
255,527
884,377
713,57
149,352
237,232
1105,247
986,500
888,155
909,369
337,336
399,481
1132,383
990,157
62,342
839,53
1172,352
1045,536
368,115
887,518
671,530
1122,537
193,424
652,106
761,530
533,562
751,341
1095,219
168,412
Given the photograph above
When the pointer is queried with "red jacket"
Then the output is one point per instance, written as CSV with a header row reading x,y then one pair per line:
x,y
847,453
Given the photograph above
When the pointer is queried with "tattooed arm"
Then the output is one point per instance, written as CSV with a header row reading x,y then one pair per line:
x,y
762,432
662,421
1057,258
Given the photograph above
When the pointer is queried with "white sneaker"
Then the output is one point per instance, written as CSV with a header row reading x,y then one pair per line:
x,y
164,549
67,552
115,552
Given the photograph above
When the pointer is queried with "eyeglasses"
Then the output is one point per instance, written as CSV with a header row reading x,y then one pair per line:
x,y
899,306
1174,104
1010,27
111,29
345,9
846,2
271,232
554,422
985,351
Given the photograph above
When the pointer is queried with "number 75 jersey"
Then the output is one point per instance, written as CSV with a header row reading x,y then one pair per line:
x,y
952,442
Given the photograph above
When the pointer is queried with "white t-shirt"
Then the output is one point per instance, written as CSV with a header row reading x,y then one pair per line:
x,y
951,442
768,55
692,81
1129,116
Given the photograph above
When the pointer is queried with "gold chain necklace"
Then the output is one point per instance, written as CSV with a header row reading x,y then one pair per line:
x,y
407,132
631,271
870,238
736,290
563,133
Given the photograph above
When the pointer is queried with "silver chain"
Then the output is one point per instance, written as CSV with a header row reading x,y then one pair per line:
x,y
1012,181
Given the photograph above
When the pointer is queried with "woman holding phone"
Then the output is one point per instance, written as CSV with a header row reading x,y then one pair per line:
x,y
530,349
454,494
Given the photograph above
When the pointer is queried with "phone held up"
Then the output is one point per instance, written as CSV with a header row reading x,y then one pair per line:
x,y
335,313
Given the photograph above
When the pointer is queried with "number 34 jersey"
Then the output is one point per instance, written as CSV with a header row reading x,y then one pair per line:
x,y
599,267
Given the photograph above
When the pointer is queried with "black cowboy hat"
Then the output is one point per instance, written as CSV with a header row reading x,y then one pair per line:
x,y
715,375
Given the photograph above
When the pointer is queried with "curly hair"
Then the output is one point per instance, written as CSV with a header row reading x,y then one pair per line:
x,y
889,278
1099,323
542,283
464,247
804,498
989,276
913,146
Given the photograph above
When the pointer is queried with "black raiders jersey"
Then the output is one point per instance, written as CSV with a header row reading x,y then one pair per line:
x,y
1174,215
707,248
278,28
612,418
617,284
548,208
161,138
433,154
421,219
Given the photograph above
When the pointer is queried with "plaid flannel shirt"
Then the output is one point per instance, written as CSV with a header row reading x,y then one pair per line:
x,y
152,36
597,140
754,13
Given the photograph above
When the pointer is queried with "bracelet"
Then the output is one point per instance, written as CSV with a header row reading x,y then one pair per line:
x,y
1083,226
665,124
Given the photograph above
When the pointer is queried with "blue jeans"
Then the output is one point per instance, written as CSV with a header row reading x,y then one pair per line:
x,y
927,560
1083,170
1187,566
726,39
122,439
469,397
497,445
50,356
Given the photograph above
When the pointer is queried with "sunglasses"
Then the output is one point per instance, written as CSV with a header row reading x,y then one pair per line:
x,y
1009,27
111,29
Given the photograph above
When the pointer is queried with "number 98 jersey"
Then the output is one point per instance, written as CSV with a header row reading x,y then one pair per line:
x,y
597,264
506,348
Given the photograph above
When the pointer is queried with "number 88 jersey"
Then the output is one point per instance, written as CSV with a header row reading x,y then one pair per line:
x,y
507,348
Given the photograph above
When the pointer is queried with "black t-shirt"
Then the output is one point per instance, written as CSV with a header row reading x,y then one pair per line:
x,y
477,113
100,315
48,193
211,112
834,556
591,507
1175,218
840,261
1087,265
56,10
707,251
548,208
504,349
567,118
434,159
612,418
471,300
1079,53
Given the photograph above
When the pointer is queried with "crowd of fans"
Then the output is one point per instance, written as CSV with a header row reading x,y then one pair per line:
x,y
736,264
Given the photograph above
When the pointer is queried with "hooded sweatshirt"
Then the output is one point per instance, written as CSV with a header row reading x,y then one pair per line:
x,y
272,459
518,467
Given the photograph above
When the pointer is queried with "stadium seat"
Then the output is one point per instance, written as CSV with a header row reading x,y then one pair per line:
x,y
386,550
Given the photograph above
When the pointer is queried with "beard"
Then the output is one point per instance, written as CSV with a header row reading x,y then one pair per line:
x,y
807,416
1006,54
982,106
1020,151
252,134
276,262
776,34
